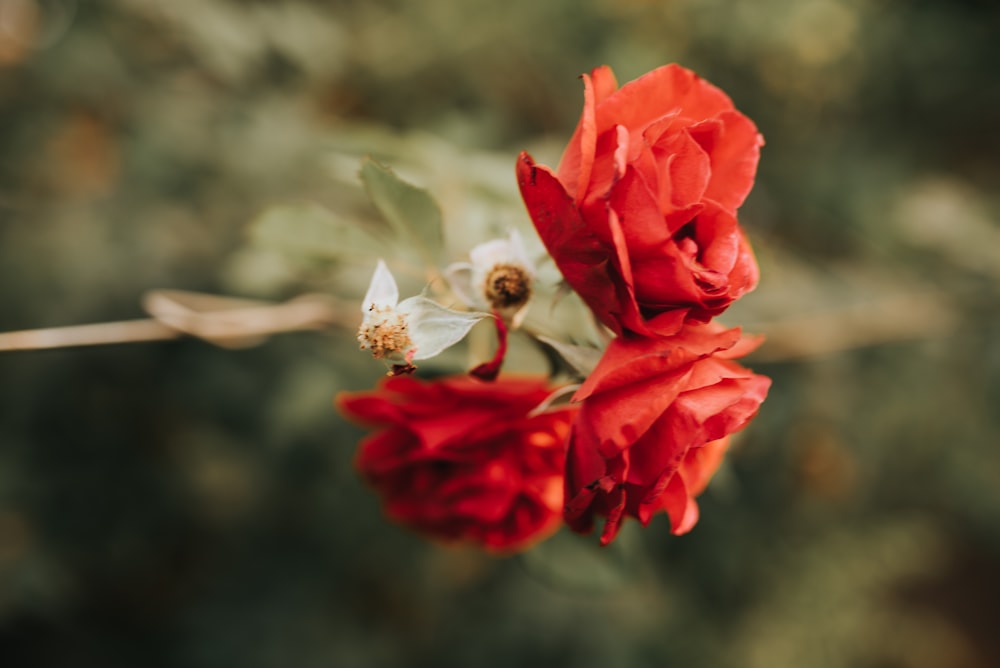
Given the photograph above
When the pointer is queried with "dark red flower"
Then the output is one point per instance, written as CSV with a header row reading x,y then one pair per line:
x,y
654,420
640,217
462,459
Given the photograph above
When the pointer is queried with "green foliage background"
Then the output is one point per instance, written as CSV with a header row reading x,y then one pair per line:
x,y
175,504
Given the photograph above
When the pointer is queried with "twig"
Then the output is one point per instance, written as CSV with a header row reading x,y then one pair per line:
x,y
223,321
128,331
236,323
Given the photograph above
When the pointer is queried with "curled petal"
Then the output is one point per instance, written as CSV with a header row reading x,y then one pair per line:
x,y
680,506
491,369
577,161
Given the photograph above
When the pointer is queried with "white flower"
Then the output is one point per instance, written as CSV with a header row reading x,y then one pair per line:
x,y
413,329
499,276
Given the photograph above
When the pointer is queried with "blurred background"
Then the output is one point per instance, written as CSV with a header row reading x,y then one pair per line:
x,y
178,504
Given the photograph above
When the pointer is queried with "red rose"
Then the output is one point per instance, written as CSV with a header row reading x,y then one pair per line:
x,y
640,217
653,423
460,459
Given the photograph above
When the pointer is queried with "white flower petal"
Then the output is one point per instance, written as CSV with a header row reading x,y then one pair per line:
x,y
459,275
490,253
434,328
519,253
382,292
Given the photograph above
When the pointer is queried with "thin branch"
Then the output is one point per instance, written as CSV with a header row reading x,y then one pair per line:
x,y
235,323
223,321
129,331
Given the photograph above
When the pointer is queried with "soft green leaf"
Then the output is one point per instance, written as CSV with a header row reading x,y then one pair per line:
x,y
311,230
411,211
582,359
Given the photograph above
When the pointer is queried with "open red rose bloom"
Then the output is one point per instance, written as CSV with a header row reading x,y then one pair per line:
x,y
656,413
641,220
640,217
461,459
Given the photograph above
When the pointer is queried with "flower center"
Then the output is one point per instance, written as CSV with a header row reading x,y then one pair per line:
x,y
385,333
507,286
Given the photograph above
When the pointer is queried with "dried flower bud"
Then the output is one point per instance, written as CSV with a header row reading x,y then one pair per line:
x,y
508,286
499,276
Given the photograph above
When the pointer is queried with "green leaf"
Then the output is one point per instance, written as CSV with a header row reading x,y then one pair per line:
x,y
582,359
311,230
410,211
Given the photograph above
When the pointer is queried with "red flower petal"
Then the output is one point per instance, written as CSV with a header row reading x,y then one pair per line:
x,y
644,100
632,360
685,171
700,464
652,426
578,158
460,459
672,159
680,506
732,143
490,370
